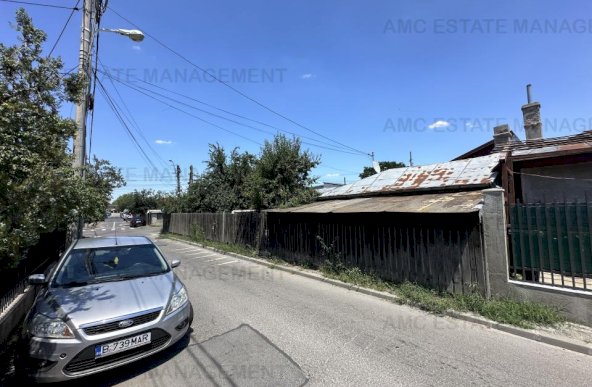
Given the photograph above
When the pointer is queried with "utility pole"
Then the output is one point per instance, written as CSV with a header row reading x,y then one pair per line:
x,y
190,175
79,149
79,144
410,160
178,180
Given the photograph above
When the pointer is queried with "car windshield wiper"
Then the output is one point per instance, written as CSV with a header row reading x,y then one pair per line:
x,y
123,277
132,276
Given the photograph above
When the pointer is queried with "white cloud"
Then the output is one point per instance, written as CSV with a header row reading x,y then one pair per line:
x,y
307,76
163,142
136,47
438,124
332,175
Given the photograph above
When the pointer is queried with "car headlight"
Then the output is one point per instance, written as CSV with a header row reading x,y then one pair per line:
x,y
178,300
42,326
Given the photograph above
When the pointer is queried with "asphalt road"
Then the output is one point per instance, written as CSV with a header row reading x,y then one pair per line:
x,y
258,326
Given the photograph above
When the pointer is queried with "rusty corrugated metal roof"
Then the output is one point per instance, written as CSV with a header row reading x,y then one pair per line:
x,y
540,146
469,173
443,203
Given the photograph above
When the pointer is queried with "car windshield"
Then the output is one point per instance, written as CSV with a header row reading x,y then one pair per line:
x,y
85,266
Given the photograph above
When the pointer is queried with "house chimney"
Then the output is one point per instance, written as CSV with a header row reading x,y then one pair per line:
x,y
533,127
501,136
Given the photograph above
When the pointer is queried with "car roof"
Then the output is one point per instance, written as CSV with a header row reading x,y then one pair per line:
x,y
92,243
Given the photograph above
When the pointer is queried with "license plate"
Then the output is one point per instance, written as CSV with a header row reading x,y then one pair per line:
x,y
114,347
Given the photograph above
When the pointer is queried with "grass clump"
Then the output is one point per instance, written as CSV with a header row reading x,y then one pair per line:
x,y
524,314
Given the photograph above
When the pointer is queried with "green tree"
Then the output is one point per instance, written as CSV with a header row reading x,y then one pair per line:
x,y
39,190
100,179
138,202
384,165
223,185
282,175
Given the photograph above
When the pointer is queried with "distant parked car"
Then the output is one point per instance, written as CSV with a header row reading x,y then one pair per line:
x,y
137,220
110,301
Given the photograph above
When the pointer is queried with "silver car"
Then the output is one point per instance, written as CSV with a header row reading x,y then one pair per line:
x,y
109,301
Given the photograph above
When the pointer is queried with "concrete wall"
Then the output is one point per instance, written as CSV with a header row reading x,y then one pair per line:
x,y
537,189
575,305
13,316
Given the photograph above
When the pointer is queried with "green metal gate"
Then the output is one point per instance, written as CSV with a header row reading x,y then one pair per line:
x,y
554,238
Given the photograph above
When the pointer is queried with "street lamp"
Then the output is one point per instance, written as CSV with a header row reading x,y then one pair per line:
x,y
135,35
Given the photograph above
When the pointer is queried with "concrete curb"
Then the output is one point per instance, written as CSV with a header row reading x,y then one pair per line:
x,y
556,341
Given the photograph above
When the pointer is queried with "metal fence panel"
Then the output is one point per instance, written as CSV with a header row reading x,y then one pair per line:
x,y
552,244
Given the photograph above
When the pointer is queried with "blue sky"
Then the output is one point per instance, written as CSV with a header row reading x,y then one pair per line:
x,y
388,77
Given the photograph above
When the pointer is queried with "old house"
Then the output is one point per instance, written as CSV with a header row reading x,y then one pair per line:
x,y
418,224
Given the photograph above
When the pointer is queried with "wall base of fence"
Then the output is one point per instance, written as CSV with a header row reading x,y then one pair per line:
x,y
574,304
14,314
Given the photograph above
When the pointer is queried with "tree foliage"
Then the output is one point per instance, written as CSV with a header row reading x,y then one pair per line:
x,y
224,183
138,202
279,176
282,174
384,165
39,190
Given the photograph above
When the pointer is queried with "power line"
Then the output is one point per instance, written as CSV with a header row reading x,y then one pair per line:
x,y
199,118
549,176
118,115
41,4
124,125
139,88
227,112
235,89
64,28
133,121
111,78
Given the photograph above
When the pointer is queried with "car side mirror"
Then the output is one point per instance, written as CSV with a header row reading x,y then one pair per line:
x,y
37,279
175,263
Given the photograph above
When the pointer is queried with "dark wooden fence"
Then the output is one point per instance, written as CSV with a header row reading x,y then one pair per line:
x,y
439,251
241,228
552,243
442,251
